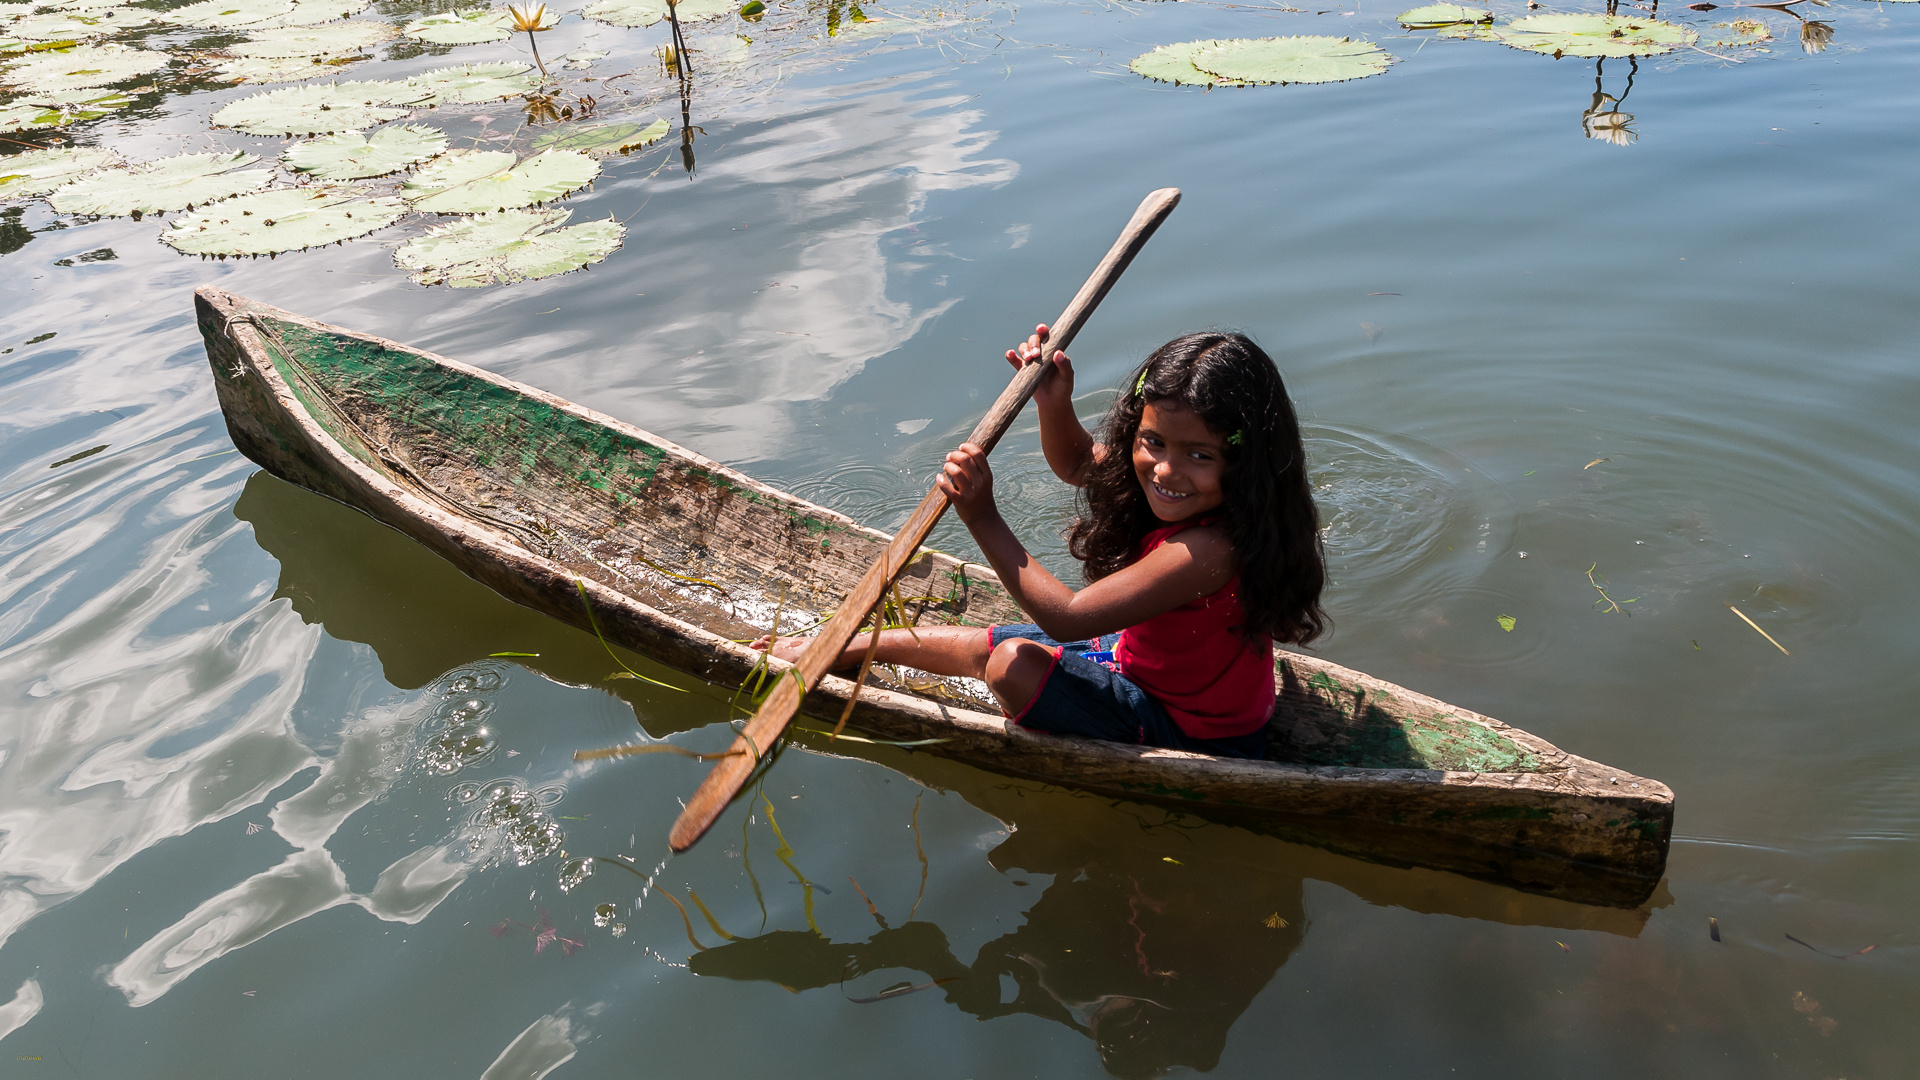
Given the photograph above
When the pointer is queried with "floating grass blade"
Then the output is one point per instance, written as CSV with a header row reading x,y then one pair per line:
x,y
785,854
625,672
640,748
708,915
1756,626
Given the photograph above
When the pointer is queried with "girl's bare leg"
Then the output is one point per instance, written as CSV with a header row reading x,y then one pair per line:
x,y
1013,671
939,650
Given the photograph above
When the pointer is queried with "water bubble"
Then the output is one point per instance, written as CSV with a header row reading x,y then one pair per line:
x,y
603,915
464,793
535,839
456,748
573,872
474,682
464,711
618,929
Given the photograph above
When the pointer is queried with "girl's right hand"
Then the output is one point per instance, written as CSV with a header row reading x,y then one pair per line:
x,y
1056,386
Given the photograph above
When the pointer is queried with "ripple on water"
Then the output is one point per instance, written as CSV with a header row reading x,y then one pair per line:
x,y
456,735
1405,521
872,495
511,820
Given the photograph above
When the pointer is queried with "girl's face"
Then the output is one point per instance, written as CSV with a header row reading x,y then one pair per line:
x,y
1180,464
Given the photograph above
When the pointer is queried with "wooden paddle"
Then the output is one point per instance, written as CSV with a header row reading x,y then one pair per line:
x,y
725,781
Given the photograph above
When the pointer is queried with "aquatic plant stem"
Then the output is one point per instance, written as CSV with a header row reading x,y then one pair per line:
x,y
727,778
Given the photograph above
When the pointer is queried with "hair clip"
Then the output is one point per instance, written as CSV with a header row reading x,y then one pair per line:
x,y
1234,439
1140,384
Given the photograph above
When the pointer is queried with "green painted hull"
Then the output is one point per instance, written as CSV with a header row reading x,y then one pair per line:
x,y
679,557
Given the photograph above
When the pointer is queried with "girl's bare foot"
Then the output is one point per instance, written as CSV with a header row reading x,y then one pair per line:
x,y
786,648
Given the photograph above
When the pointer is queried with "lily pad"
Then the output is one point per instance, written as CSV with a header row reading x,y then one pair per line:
x,y
1174,64
60,109
282,219
1436,15
37,172
279,69
315,12
477,181
82,67
469,27
228,14
351,156
79,26
1594,35
583,58
507,246
167,184
322,109
1313,58
647,12
262,14
602,140
470,83
293,41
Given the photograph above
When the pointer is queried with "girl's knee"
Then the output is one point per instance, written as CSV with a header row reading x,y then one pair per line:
x,y
1015,670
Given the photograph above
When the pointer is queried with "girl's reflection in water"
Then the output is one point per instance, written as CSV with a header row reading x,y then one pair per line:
x,y
1152,959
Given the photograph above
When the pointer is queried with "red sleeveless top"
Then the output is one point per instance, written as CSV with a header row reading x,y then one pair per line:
x,y
1211,681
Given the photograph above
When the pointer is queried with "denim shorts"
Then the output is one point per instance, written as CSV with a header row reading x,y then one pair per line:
x,y
1084,694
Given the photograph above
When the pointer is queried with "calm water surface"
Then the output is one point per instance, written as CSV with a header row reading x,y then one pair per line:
x,y
260,737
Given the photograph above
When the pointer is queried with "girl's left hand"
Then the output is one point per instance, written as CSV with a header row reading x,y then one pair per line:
x,y
967,483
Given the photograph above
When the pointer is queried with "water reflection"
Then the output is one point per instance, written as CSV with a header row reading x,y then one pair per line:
x,y
1148,958
1604,119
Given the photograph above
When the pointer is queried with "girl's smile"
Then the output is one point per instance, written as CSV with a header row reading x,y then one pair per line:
x,y
1179,462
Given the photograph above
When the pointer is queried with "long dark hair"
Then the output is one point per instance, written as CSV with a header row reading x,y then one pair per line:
x,y
1235,389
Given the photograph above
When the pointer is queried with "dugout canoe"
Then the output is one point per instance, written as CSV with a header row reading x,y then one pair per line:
x,y
679,557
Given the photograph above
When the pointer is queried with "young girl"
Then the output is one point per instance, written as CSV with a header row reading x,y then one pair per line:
x,y
1201,549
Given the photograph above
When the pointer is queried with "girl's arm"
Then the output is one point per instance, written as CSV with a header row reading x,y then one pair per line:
x,y
1069,448
1195,563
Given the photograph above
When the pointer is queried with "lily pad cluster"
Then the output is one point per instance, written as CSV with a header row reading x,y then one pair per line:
x,y
358,157
1263,61
1585,35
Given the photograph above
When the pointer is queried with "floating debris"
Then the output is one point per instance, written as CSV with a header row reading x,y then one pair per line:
x,y
1775,644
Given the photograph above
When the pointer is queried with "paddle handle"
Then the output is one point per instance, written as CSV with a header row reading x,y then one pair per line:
x,y
710,799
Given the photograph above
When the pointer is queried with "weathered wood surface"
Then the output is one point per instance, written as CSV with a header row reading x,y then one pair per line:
x,y
529,494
